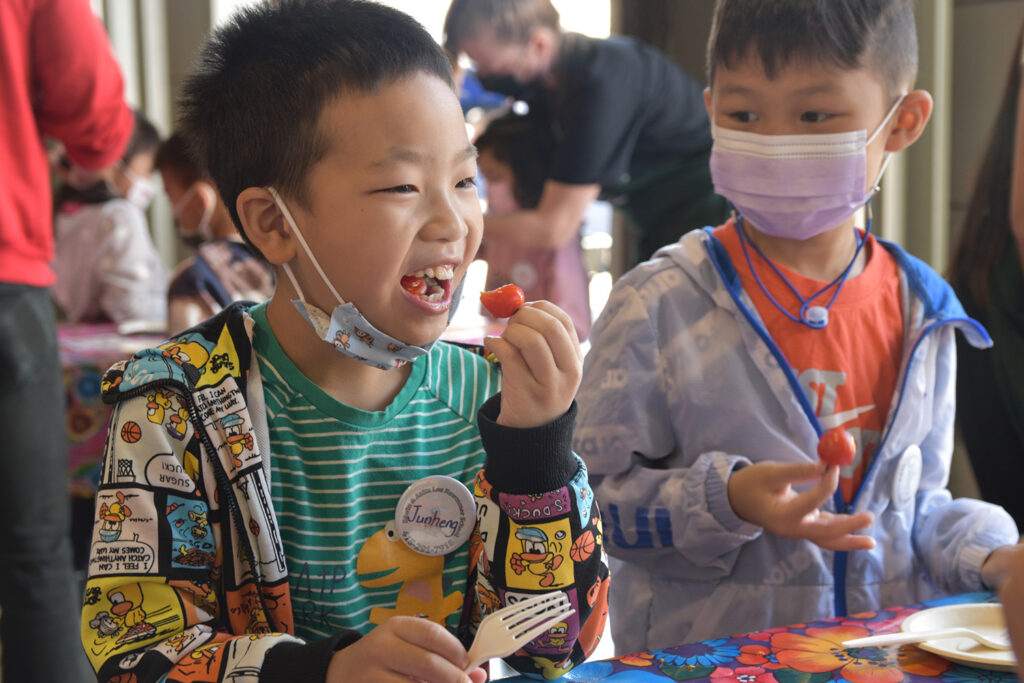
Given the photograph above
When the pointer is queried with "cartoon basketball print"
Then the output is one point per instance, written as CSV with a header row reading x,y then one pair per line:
x,y
582,547
131,432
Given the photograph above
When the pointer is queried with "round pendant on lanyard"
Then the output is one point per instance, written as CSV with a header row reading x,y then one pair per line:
x,y
813,316
435,515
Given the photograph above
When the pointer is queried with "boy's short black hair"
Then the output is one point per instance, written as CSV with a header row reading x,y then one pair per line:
x,y
251,108
849,34
174,156
525,145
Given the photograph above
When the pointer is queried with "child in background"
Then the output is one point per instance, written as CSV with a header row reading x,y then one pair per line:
x,y
716,366
515,152
108,269
284,494
224,268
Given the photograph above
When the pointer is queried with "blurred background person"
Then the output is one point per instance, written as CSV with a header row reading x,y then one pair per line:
x,y
223,268
986,274
58,79
108,269
514,155
629,124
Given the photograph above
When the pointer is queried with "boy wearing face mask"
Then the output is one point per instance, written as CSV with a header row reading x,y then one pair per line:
x,y
223,268
108,269
316,488
716,367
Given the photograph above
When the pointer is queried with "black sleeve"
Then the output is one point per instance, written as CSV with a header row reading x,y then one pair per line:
x,y
289,662
527,460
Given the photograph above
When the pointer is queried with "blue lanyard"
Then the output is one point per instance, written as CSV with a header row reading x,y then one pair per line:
x,y
815,317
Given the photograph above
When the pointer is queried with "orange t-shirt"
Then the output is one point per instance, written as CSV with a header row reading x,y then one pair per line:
x,y
849,368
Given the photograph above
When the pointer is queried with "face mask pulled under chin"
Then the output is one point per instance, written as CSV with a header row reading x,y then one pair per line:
x,y
346,329
795,186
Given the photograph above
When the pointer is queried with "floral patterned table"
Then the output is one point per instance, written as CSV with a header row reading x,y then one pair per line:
x,y
802,653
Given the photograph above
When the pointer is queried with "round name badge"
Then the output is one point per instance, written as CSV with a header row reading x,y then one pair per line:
x,y
435,515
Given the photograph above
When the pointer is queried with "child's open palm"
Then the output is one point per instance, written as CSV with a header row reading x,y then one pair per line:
x,y
763,494
541,365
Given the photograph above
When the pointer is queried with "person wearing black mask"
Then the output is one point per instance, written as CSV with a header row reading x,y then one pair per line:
x,y
629,124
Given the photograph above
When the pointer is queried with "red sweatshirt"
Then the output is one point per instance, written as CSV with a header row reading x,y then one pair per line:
x,y
58,78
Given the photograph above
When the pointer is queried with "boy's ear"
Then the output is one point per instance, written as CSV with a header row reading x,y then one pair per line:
x,y
707,103
265,224
910,120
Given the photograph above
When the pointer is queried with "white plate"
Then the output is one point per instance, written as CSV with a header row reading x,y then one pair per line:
x,y
985,618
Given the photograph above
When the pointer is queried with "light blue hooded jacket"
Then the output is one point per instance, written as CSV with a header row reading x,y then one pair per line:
x,y
683,384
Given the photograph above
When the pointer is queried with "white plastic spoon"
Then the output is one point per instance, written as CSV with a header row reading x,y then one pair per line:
x,y
999,641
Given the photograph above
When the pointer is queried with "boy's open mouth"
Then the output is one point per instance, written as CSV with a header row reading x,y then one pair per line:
x,y
429,284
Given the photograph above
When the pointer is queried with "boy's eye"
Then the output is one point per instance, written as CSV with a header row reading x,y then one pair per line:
x,y
466,182
743,116
813,116
401,189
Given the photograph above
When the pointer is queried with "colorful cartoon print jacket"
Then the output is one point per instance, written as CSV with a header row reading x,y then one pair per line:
x,y
187,579
683,384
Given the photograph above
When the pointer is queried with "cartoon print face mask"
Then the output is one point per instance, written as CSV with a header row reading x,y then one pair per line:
x,y
346,329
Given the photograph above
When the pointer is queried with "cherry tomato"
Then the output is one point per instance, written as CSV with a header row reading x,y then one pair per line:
x,y
837,447
503,301
414,284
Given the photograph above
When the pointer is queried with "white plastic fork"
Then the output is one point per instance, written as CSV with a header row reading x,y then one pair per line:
x,y
506,630
993,641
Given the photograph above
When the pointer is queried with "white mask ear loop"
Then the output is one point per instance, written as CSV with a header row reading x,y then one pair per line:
x,y
888,155
288,271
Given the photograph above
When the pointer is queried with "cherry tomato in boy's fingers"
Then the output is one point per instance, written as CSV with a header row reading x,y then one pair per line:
x,y
503,301
414,284
837,447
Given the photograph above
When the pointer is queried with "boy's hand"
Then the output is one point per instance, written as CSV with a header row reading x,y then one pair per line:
x,y
541,365
996,567
763,494
402,649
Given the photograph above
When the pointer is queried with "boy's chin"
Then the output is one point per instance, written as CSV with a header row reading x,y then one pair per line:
x,y
426,335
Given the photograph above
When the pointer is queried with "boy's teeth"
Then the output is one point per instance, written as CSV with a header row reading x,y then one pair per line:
x,y
445,272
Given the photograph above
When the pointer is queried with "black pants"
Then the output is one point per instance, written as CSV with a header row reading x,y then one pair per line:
x,y
39,597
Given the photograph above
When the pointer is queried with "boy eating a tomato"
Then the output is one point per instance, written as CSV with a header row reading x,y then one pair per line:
x,y
343,497
717,366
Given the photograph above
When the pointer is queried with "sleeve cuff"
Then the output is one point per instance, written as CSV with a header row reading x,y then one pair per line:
x,y
717,488
293,661
527,460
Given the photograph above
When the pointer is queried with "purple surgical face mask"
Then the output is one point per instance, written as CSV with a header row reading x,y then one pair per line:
x,y
794,186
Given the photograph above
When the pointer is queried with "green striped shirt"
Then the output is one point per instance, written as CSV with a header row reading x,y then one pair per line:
x,y
337,474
